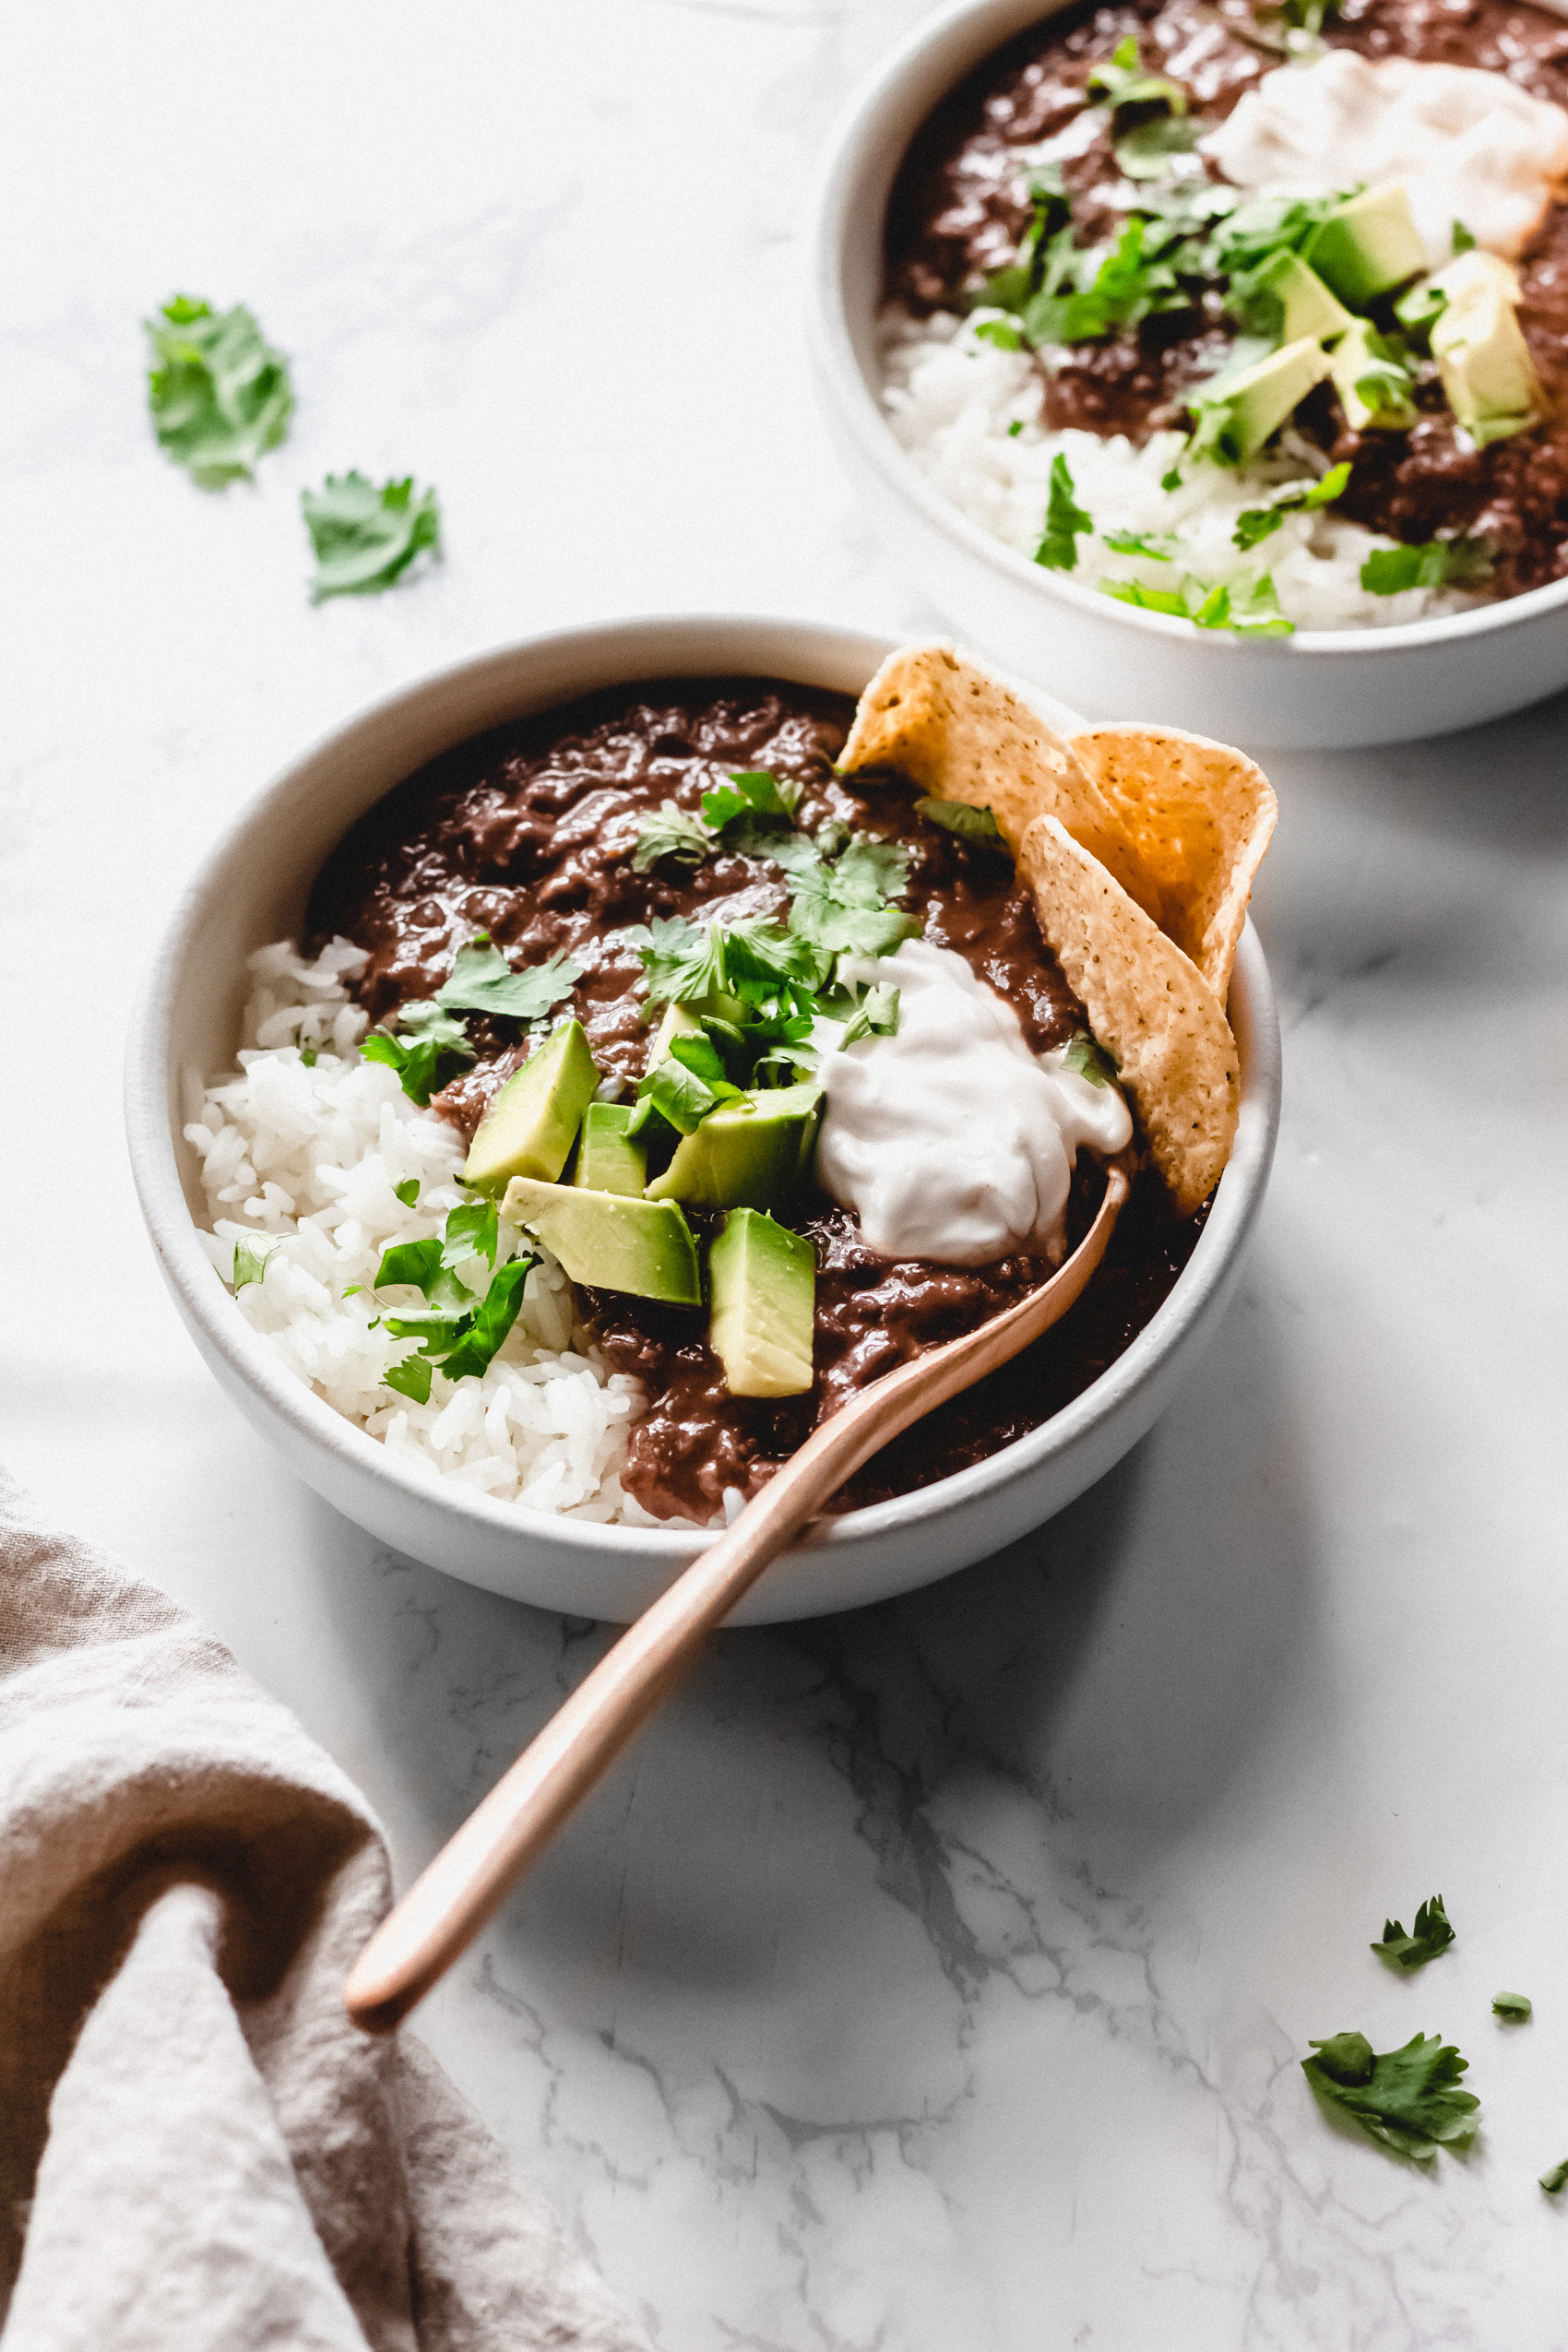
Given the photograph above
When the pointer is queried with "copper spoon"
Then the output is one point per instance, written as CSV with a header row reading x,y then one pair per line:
x,y
476,1869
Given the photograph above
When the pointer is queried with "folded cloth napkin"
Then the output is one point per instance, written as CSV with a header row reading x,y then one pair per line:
x,y
196,2149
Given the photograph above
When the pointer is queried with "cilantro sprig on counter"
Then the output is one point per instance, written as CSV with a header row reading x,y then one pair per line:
x,y
366,538
1430,1934
220,395
459,1328
430,1045
1408,2098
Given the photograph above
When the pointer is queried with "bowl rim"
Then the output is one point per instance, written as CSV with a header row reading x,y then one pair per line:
x,y
153,1091
859,133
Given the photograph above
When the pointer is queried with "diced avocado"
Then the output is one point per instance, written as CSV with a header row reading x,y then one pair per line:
x,y
679,1021
1309,307
746,1154
1481,353
1258,398
532,1123
1367,245
609,1161
764,1283
613,1242
1372,389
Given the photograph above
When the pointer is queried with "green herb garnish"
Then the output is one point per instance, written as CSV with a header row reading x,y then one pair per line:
x,y
484,981
1517,2007
1138,543
250,1261
427,1049
1463,240
1430,1935
875,1015
458,1329
1554,2181
674,832
219,394
1089,1059
1256,522
1440,563
363,538
1210,608
1149,149
1122,82
408,1192
757,792
1405,2098
1065,522
969,823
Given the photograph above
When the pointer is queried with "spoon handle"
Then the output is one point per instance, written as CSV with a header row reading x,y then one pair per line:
x,y
476,1869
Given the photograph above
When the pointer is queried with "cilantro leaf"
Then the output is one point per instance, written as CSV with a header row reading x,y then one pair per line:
x,y
1089,1059
1122,82
685,961
1086,294
1405,2098
486,1327
1149,149
1463,240
1253,232
417,1262
969,823
1556,2181
672,833
1440,563
875,1015
1002,332
1064,522
1257,522
484,981
1210,608
1420,310
428,1040
1517,2007
220,394
250,1261
754,790
1146,599
1430,1935
362,538
1137,543
408,1191
674,1093
472,1231
409,1378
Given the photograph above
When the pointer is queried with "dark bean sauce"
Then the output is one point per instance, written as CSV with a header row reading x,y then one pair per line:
x,y
529,834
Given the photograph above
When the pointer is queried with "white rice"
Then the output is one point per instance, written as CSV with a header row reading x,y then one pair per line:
x,y
308,1156
952,398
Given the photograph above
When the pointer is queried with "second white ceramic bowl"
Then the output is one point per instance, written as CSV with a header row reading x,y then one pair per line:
x,y
1321,689
253,889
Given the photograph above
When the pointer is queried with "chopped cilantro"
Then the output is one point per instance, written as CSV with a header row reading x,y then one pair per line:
x,y
755,791
1015,428
427,1050
1172,479
309,1053
1463,240
408,1191
1440,563
458,1329
1430,1935
250,1261
1268,225
362,538
1256,522
1556,2181
1149,149
1066,521
1210,607
1002,332
1138,543
484,981
676,1094
1517,2007
875,1015
220,394
1089,1059
843,908
1146,599
1420,310
1387,383
969,823
1122,82
1405,2098
673,833
683,961
1084,296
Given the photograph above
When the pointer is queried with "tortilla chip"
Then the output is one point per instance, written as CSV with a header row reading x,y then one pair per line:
x,y
1198,817
961,734
1146,1001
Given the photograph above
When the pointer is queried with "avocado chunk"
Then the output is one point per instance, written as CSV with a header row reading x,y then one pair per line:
x,y
1371,384
531,1125
1367,245
1481,354
609,1161
764,1283
746,1154
1308,306
1257,399
606,1239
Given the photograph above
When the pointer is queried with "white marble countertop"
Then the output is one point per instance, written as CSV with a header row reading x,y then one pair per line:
x,y
932,1978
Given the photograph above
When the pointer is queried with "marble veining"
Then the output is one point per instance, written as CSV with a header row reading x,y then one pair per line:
x,y
935,1976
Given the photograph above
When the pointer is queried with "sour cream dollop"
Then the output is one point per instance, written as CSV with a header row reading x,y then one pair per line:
x,y
951,1140
1464,144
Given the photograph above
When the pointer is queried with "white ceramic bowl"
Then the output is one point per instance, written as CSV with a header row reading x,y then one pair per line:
x,y
254,888
1318,689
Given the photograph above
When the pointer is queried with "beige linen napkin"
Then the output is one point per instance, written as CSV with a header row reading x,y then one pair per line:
x,y
196,2149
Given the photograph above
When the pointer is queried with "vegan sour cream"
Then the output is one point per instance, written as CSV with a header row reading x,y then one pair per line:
x,y
950,1140
1464,143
